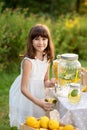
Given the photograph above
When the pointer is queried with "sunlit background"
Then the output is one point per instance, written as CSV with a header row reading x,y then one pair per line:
x,y
67,21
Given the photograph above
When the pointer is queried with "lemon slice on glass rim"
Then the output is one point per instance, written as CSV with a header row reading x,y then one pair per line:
x,y
74,92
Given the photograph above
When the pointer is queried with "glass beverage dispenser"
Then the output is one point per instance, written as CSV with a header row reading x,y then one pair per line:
x,y
69,71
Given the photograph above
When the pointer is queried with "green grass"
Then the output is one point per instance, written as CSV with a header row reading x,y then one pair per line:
x,y
6,80
83,63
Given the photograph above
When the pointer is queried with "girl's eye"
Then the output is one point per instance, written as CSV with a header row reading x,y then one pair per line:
x,y
36,38
44,38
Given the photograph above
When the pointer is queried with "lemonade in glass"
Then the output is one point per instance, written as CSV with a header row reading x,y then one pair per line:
x,y
55,69
74,94
50,95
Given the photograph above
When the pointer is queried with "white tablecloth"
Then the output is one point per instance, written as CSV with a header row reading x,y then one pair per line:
x,y
75,114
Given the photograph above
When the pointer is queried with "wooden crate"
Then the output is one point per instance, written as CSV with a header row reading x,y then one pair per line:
x,y
25,127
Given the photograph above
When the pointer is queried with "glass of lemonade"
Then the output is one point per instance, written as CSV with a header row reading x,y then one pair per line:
x,y
50,95
74,94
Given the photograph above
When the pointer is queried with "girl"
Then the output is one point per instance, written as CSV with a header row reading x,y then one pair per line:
x,y
27,93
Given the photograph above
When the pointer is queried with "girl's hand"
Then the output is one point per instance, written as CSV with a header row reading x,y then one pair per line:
x,y
46,105
52,82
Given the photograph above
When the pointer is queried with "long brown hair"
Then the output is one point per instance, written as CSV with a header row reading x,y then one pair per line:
x,y
43,31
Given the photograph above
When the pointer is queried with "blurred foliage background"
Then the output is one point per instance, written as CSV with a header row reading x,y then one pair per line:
x,y
67,21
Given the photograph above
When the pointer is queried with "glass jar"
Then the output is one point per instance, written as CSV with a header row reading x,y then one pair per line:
x,y
74,93
84,77
55,68
69,70
50,95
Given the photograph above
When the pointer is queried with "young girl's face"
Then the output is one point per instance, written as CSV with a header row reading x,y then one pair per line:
x,y
40,43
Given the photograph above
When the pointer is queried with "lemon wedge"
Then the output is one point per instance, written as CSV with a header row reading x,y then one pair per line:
x,y
84,89
74,93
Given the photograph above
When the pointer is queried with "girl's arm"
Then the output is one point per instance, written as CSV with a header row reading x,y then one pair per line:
x,y
27,65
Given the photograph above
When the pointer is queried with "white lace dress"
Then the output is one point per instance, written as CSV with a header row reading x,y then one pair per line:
x,y
19,106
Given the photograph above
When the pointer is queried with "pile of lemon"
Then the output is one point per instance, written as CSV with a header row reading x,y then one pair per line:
x,y
44,123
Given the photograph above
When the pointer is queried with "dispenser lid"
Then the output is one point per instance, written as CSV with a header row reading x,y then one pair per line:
x,y
69,56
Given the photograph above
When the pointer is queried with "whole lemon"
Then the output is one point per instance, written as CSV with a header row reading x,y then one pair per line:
x,y
68,127
53,124
32,122
44,121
